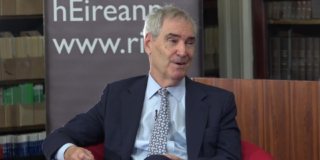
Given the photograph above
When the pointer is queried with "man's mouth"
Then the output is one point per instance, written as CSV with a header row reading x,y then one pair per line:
x,y
180,63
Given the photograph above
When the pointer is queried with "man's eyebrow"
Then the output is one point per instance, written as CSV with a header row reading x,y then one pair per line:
x,y
173,35
176,35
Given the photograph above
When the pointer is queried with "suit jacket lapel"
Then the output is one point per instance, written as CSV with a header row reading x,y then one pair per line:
x,y
196,118
131,108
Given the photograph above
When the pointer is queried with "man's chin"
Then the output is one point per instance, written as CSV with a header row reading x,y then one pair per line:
x,y
178,77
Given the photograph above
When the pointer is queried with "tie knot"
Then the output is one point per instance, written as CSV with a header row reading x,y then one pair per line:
x,y
163,92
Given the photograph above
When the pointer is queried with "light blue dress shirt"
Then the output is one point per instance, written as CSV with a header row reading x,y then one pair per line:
x,y
176,144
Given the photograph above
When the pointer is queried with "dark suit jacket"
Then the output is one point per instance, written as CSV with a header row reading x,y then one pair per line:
x,y
211,129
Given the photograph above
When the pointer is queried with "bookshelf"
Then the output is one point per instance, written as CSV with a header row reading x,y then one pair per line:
x,y
285,39
295,22
12,82
22,129
22,108
21,17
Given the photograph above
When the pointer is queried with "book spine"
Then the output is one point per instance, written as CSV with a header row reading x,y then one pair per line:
x,y
289,5
293,10
275,61
23,141
8,147
30,92
316,55
283,11
303,10
299,8
309,59
42,137
295,59
275,10
284,64
302,60
308,10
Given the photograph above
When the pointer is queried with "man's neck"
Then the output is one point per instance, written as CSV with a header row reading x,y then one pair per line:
x,y
164,83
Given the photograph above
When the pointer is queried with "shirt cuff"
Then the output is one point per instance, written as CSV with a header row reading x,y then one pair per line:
x,y
60,153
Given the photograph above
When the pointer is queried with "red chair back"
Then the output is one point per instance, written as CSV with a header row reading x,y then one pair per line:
x,y
97,151
249,152
253,152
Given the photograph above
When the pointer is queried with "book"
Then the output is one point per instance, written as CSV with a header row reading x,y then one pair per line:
x,y
303,10
295,59
309,58
302,60
293,10
316,55
283,10
8,95
6,34
38,93
275,57
308,10
7,7
299,10
275,10
289,10
284,60
315,9
23,146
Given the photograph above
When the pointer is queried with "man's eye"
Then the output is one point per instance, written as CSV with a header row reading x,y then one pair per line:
x,y
173,41
190,43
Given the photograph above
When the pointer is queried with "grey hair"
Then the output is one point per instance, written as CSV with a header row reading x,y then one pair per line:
x,y
154,20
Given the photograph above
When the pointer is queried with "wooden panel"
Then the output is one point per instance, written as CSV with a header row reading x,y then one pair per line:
x,y
304,101
279,116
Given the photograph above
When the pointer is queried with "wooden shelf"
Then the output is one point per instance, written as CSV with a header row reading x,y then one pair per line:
x,y
10,82
300,22
21,17
11,130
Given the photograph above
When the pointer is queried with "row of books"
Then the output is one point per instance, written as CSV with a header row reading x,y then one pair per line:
x,y
21,94
22,115
24,145
21,7
294,58
21,47
290,10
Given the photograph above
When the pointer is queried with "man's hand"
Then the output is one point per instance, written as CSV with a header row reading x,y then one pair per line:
x,y
172,157
77,153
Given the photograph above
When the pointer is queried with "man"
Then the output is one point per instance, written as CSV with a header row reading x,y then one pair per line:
x,y
164,115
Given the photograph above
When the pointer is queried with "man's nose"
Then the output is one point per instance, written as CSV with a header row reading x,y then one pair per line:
x,y
181,50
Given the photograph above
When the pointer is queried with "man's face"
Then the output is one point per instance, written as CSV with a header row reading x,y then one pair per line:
x,y
170,55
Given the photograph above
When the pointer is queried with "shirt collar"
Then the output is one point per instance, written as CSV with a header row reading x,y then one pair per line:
x,y
176,91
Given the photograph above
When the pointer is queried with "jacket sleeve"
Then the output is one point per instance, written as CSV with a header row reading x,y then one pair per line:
x,y
83,130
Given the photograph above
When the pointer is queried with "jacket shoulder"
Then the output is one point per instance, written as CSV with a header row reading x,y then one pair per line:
x,y
125,83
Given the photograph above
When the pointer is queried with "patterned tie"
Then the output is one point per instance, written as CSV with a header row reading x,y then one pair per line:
x,y
158,141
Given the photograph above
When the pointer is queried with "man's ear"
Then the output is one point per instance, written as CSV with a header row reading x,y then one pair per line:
x,y
147,43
